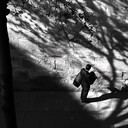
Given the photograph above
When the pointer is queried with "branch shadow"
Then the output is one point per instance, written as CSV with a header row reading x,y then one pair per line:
x,y
120,95
118,116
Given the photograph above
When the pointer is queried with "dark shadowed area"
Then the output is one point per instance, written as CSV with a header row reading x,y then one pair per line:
x,y
41,34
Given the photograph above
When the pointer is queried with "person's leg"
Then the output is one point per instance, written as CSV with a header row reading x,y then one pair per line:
x,y
84,94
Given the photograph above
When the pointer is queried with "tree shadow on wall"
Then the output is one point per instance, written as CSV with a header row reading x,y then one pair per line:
x,y
111,37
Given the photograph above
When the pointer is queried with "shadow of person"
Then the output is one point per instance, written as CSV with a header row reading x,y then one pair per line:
x,y
119,95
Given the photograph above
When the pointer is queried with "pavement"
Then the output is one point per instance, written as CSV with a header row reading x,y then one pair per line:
x,y
55,109
43,102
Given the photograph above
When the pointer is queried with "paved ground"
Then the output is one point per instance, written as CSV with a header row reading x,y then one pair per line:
x,y
46,109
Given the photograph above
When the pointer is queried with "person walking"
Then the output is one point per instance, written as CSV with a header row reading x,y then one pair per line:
x,y
85,83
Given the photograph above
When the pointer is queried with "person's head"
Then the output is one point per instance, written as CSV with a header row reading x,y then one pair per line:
x,y
88,67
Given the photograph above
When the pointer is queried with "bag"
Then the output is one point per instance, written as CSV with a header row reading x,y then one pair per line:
x,y
92,77
78,79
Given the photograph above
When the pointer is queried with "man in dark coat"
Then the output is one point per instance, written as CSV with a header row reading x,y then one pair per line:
x,y
85,82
